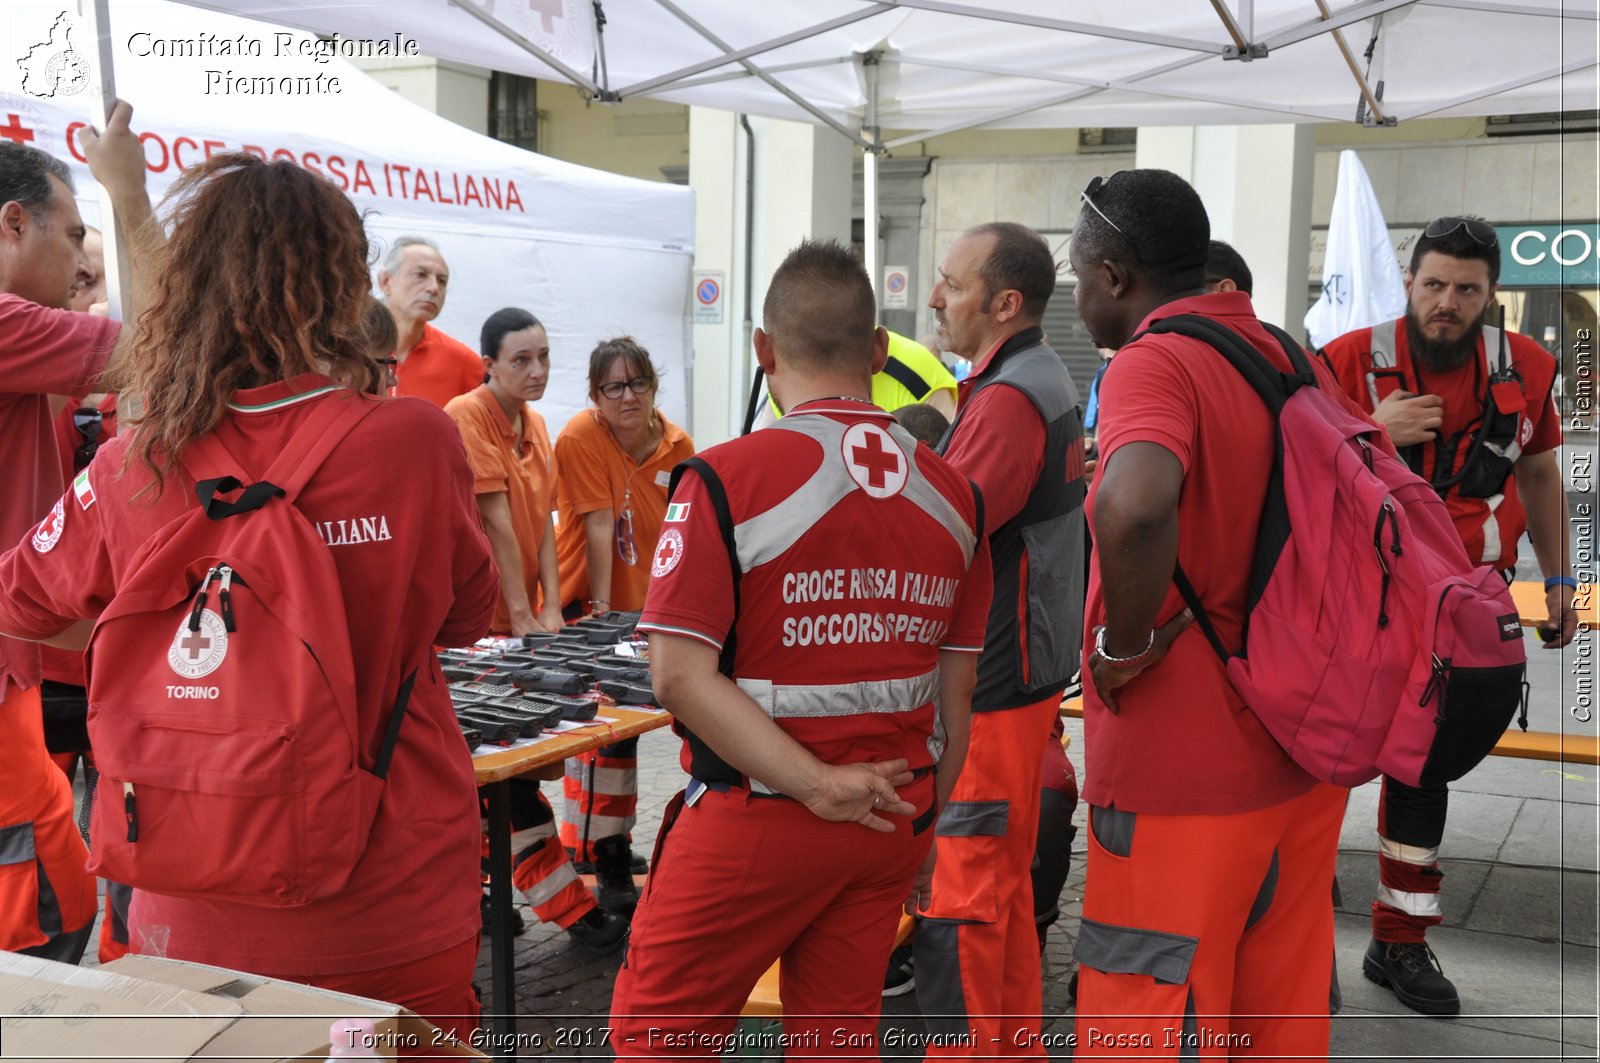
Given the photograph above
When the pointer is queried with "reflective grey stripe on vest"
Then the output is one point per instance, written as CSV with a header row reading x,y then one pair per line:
x,y
765,536
1128,950
796,701
809,701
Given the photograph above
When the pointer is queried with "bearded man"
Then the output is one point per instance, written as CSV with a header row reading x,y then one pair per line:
x,y
1470,409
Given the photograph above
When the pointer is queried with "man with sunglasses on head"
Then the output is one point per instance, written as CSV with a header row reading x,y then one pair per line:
x,y
1470,409
1206,922
1018,434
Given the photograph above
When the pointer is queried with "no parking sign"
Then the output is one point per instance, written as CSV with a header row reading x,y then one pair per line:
x,y
708,297
896,287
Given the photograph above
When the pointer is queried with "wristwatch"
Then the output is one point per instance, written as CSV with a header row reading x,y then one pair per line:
x,y
1126,664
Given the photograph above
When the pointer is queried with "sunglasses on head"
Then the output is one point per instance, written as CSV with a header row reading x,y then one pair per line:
x,y
1482,232
1087,196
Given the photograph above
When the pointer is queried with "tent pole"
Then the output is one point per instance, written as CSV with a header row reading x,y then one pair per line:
x,y
771,82
97,16
1355,71
672,79
532,49
869,173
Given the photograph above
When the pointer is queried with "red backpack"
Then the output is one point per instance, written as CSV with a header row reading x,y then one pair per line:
x,y
1371,644
222,694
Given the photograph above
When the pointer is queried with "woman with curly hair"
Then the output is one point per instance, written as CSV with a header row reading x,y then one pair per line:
x,y
253,335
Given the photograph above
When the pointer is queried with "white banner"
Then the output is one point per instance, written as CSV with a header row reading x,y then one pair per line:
x,y
593,255
1361,283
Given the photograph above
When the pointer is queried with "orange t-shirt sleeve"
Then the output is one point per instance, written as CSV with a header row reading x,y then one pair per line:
x,y
584,481
483,451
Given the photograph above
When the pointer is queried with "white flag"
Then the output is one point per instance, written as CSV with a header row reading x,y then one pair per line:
x,y
1361,283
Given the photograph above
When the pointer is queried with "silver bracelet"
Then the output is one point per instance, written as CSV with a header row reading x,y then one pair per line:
x,y
1121,662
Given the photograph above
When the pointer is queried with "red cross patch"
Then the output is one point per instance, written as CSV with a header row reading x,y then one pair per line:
x,y
874,460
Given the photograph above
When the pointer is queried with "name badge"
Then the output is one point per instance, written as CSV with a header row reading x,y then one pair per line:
x,y
663,478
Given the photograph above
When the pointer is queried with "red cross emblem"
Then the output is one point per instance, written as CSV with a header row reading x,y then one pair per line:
x,y
874,460
14,131
548,11
196,644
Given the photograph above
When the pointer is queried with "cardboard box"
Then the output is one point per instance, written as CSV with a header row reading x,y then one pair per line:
x,y
165,1011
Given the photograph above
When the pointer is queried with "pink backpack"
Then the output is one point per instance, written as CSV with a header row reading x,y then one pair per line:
x,y
1371,644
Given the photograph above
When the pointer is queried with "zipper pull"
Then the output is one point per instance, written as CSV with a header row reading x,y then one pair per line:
x,y
1366,451
1394,523
1377,545
130,812
224,601
1434,681
200,600
1522,713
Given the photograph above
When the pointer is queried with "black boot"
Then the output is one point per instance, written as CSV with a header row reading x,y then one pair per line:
x,y
614,875
600,930
1413,972
636,863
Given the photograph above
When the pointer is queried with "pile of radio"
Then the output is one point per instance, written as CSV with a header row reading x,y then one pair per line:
x,y
517,688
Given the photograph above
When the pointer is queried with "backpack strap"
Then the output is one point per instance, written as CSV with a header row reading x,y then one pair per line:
x,y
1274,386
326,425
391,734
718,496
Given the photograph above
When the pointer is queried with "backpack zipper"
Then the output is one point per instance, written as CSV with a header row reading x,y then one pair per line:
x,y
1385,512
129,812
1438,683
200,599
224,601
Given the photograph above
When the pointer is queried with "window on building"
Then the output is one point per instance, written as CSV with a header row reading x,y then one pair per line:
x,y
513,110
1520,125
1115,138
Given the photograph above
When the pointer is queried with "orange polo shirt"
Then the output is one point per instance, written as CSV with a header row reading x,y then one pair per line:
x,y
439,368
595,473
522,465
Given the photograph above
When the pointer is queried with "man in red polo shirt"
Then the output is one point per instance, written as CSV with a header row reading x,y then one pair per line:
x,y
1433,379
47,903
1018,433
1206,922
431,365
810,660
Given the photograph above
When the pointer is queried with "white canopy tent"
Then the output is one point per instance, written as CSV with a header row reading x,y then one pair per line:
x,y
592,254
920,68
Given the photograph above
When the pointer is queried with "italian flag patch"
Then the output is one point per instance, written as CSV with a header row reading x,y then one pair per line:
x,y
81,488
677,512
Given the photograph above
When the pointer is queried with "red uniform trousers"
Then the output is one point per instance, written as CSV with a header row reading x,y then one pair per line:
x,y
1410,828
439,988
47,900
1209,936
740,880
600,796
540,867
977,947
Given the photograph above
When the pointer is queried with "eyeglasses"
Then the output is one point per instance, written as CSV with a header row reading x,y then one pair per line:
x,y
612,389
1482,232
1087,195
622,533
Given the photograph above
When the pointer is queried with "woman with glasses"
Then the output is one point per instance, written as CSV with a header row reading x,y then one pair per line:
x,y
613,462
